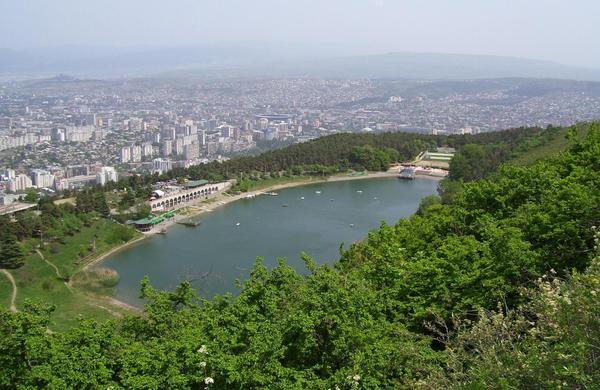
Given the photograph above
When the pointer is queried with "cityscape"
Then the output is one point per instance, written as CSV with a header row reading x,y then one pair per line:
x,y
267,194
65,133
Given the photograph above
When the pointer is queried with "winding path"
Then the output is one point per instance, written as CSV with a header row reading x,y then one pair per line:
x,y
55,269
14,291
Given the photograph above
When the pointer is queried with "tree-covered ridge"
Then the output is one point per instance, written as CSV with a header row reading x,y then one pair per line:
x,y
338,153
492,289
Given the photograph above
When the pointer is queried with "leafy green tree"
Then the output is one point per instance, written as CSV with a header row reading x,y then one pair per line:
x,y
127,199
31,196
428,202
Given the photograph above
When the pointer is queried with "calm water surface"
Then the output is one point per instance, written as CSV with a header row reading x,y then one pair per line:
x,y
218,251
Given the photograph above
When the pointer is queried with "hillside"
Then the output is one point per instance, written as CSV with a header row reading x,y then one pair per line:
x,y
494,288
260,60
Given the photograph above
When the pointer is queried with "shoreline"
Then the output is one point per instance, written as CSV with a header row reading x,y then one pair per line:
x,y
223,199
112,251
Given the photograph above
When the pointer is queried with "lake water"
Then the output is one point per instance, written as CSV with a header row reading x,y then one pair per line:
x,y
226,243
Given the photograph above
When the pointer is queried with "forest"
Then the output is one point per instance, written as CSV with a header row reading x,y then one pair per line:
x,y
494,284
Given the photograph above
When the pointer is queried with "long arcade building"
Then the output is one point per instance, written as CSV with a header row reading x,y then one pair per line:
x,y
180,198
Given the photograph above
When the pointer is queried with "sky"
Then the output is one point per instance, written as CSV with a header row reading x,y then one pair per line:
x,y
565,31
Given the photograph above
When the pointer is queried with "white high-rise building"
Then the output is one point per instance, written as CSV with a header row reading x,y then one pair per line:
x,y
42,178
191,152
105,175
9,174
136,153
178,146
79,133
147,150
161,165
202,137
125,154
166,147
20,183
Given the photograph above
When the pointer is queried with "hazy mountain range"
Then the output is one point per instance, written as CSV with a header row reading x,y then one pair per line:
x,y
273,61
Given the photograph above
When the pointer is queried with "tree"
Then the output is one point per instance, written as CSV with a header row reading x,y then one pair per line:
x,y
84,201
11,254
100,205
31,196
127,199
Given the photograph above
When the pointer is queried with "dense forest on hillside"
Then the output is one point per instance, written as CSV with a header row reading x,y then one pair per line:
x,y
338,153
497,287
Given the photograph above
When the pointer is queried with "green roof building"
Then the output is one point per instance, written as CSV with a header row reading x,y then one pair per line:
x,y
195,183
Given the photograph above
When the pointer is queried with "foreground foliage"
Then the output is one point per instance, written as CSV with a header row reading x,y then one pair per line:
x,y
495,288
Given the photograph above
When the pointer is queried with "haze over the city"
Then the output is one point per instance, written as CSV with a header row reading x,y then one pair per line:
x,y
554,30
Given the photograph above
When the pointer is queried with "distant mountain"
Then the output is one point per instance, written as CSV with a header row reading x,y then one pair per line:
x,y
241,60
434,66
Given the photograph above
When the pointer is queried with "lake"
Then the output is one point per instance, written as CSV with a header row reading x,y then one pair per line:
x,y
314,219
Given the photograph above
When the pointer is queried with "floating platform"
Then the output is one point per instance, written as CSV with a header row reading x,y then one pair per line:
x,y
407,174
189,223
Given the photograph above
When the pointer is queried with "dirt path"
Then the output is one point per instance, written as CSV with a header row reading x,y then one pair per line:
x,y
13,298
55,269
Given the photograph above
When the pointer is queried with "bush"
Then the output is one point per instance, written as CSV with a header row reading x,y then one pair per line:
x,y
47,285
54,248
118,234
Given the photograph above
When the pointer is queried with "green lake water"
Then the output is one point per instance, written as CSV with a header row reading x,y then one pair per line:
x,y
224,246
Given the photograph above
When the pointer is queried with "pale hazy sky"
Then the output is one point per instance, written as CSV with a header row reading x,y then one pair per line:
x,y
566,31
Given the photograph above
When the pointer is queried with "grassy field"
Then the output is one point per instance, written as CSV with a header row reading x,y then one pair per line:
x,y
543,147
257,185
47,281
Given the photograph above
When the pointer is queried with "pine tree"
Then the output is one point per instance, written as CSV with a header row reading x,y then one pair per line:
x,y
11,254
84,201
100,205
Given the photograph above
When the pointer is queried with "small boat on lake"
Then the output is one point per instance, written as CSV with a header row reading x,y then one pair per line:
x,y
407,174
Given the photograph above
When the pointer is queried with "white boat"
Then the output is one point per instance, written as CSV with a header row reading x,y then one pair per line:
x,y
301,198
272,193
237,224
317,192
359,191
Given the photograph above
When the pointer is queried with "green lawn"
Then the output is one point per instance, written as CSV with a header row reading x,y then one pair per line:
x,y
37,280
256,185
80,248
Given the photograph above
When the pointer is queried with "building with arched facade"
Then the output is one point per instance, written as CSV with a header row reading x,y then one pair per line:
x,y
183,197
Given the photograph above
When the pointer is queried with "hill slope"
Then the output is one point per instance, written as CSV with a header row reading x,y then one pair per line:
x,y
410,307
